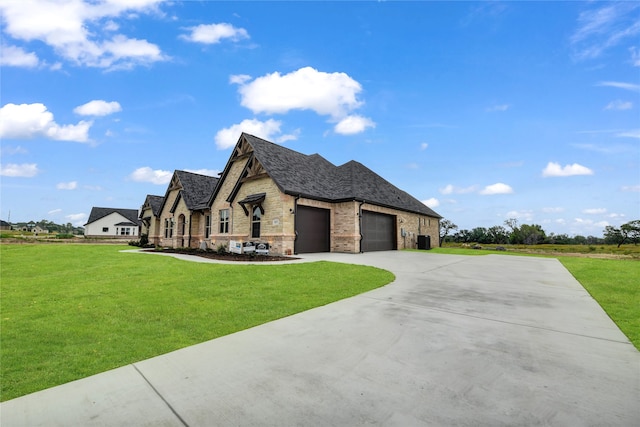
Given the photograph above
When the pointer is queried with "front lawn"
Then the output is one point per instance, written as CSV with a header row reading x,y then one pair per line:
x,y
69,311
615,284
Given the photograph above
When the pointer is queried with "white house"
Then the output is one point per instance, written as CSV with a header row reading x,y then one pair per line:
x,y
112,222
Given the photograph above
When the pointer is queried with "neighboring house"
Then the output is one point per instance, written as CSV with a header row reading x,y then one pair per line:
x,y
150,217
39,230
28,227
4,225
183,214
295,203
112,222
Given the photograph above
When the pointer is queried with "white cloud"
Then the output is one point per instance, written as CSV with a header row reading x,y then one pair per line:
x,y
525,215
602,28
75,31
72,185
451,189
24,170
631,188
555,170
77,219
432,202
590,224
424,146
214,33
498,188
13,56
328,94
54,211
98,107
10,151
621,85
594,211
614,215
239,79
351,125
31,120
270,130
635,133
619,105
146,174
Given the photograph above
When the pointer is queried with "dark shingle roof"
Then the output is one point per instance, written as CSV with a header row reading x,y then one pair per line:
x,y
98,213
155,203
196,189
315,177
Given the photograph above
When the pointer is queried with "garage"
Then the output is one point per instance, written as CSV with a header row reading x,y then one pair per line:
x,y
378,232
313,230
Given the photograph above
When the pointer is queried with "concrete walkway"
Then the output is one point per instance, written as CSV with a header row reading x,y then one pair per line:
x,y
468,341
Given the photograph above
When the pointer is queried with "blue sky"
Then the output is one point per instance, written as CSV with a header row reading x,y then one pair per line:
x,y
483,110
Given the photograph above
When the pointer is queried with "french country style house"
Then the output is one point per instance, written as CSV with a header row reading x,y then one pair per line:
x,y
288,202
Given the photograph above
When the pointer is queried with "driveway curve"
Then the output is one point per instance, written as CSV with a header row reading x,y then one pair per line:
x,y
488,340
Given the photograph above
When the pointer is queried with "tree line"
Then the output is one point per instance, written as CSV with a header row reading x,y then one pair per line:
x,y
533,234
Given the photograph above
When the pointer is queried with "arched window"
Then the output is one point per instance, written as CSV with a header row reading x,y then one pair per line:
x,y
255,221
181,225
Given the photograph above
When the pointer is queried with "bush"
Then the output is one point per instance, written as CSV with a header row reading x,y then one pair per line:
x,y
221,249
142,243
64,236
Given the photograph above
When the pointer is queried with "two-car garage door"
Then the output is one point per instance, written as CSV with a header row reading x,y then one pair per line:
x,y
313,226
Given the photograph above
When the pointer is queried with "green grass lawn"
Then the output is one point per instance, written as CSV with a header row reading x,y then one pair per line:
x,y
69,311
614,283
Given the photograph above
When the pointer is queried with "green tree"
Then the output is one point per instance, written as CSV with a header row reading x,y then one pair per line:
x,y
498,234
445,227
532,234
619,235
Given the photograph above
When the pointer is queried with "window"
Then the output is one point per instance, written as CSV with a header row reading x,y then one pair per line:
x,y
105,229
207,226
168,228
255,222
224,221
181,225
125,231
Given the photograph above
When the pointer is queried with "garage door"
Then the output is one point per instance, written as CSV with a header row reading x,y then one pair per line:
x,y
312,226
378,232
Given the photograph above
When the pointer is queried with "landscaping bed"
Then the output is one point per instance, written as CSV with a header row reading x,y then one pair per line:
x,y
223,256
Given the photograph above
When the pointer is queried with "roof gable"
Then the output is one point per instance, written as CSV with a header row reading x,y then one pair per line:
x,y
154,203
195,189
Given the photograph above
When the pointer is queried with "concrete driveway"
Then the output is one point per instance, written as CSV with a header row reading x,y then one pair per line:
x,y
466,341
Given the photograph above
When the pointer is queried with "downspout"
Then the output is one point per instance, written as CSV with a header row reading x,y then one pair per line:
x,y
189,239
295,224
360,223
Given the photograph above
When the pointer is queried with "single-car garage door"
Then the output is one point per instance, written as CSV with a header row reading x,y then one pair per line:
x,y
312,226
378,232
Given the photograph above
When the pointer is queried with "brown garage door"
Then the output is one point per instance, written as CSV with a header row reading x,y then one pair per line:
x,y
378,232
312,226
